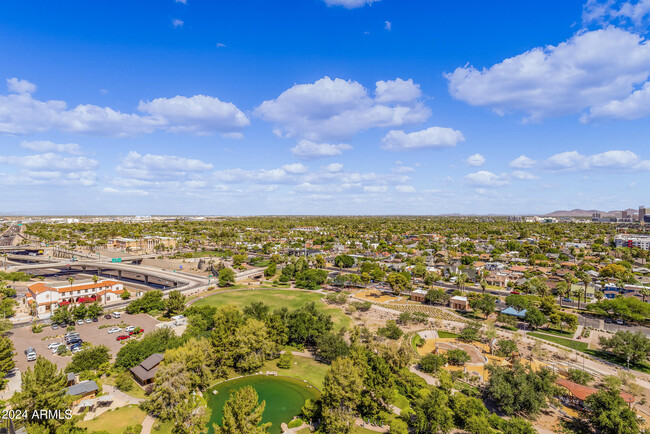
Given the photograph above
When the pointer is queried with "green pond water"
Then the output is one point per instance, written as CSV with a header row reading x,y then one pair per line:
x,y
284,398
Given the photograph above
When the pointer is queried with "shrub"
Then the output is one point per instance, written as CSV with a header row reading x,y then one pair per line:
x,y
285,360
457,357
295,423
580,377
123,381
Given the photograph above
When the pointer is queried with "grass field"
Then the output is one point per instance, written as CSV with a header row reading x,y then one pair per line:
x,y
302,368
557,332
574,345
277,298
442,334
115,421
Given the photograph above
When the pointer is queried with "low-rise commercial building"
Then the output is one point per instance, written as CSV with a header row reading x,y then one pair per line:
x,y
48,297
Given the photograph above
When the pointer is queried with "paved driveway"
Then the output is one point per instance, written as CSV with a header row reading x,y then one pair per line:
x,y
23,338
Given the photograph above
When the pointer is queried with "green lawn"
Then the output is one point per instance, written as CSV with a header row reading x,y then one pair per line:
x,y
442,334
277,298
574,345
115,421
163,427
303,368
556,332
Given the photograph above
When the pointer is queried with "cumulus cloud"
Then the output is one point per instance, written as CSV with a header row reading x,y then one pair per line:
x,y
47,146
475,160
635,106
485,179
404,188
308,149
177,22
388,25
589,70
522,162
295,168
122,191
50,161
21,113
523,175
336,109
575,161
154,167
434,137
333,167
634,13
197,114
350,4
20,86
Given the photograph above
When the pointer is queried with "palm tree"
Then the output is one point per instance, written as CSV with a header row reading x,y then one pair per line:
x,y
461,279
586,280
645,291
95,278
562,289
483,284
579,293
599,295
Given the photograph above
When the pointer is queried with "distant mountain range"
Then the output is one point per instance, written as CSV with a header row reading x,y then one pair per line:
x,y
589,213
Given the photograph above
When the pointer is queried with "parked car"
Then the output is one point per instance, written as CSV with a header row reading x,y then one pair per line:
x,y
514,292
114,330
31,354
122,337
76,349
55,326
136,332
88,320
567,300
108,316
117,314
608,320
80,321
129,329
95,319
54,345
620,322
75,341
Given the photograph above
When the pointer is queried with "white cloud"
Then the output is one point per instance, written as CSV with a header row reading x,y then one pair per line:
x,y
375,189
622,13
47,146
350,4
181,1
159,167
20,113
333,167
475,160
522,162
20,86
485,179
261,176
122,191
335,109
616,159
635,106
523,175
198,114
388,25
309,149
397,90
221,45
589,70
50,161
177,22
404,188
295,168
403,169
434,137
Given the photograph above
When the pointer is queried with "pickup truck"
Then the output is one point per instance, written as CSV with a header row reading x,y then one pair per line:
x,y
31,354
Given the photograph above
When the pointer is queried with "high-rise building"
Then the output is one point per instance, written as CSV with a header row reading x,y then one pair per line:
x,y
642,213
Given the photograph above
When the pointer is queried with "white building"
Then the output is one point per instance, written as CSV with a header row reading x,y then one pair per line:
x,y
638,241
49,297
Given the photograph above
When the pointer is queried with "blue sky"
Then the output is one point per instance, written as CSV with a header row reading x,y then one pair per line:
x,y
323,106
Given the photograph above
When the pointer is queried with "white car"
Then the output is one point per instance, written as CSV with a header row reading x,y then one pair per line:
x,y
54,345
76,349
129,329
114,330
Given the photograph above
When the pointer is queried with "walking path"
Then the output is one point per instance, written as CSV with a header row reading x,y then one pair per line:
x,y
118,394
147,425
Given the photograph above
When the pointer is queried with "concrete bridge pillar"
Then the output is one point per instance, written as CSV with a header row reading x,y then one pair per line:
x,y
119,274
146,279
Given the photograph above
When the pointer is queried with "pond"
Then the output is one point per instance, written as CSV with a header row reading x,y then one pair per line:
x,y
284,398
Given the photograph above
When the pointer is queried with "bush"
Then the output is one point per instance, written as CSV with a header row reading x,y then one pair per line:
x,y
362,305
432,362
89,359
124,382
37,328
457,357
391,331
285,360
295,423
133,429
336,298
580,377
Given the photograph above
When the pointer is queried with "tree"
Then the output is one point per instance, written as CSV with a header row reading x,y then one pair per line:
x,y
196,356
610,413
311,278
285,360
432,362
331,346
457,357
89,359
520,390
342,387
150,301
437,296
398,282
344,261
506,347
6,358
271,270
226,277
485,303
518,301
170,389
391,330
562,290
471,332
42,388
237,260
175,303
432,414
580,376
535,318
626,345
94,310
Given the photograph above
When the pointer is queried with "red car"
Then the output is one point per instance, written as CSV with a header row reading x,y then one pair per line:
x,y
122,337
136,332
514,292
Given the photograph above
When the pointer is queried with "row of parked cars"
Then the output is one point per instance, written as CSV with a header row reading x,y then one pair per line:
x,y
130,330
55,326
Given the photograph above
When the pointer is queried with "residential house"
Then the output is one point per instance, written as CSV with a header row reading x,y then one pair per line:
x,y
145,371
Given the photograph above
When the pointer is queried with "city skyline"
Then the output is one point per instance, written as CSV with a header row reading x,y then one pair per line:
x,y
324,107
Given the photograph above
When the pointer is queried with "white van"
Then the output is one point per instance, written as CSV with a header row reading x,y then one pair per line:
x,y
116,314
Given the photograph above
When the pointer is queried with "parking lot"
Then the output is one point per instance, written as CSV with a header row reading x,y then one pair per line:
x,y
23,338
